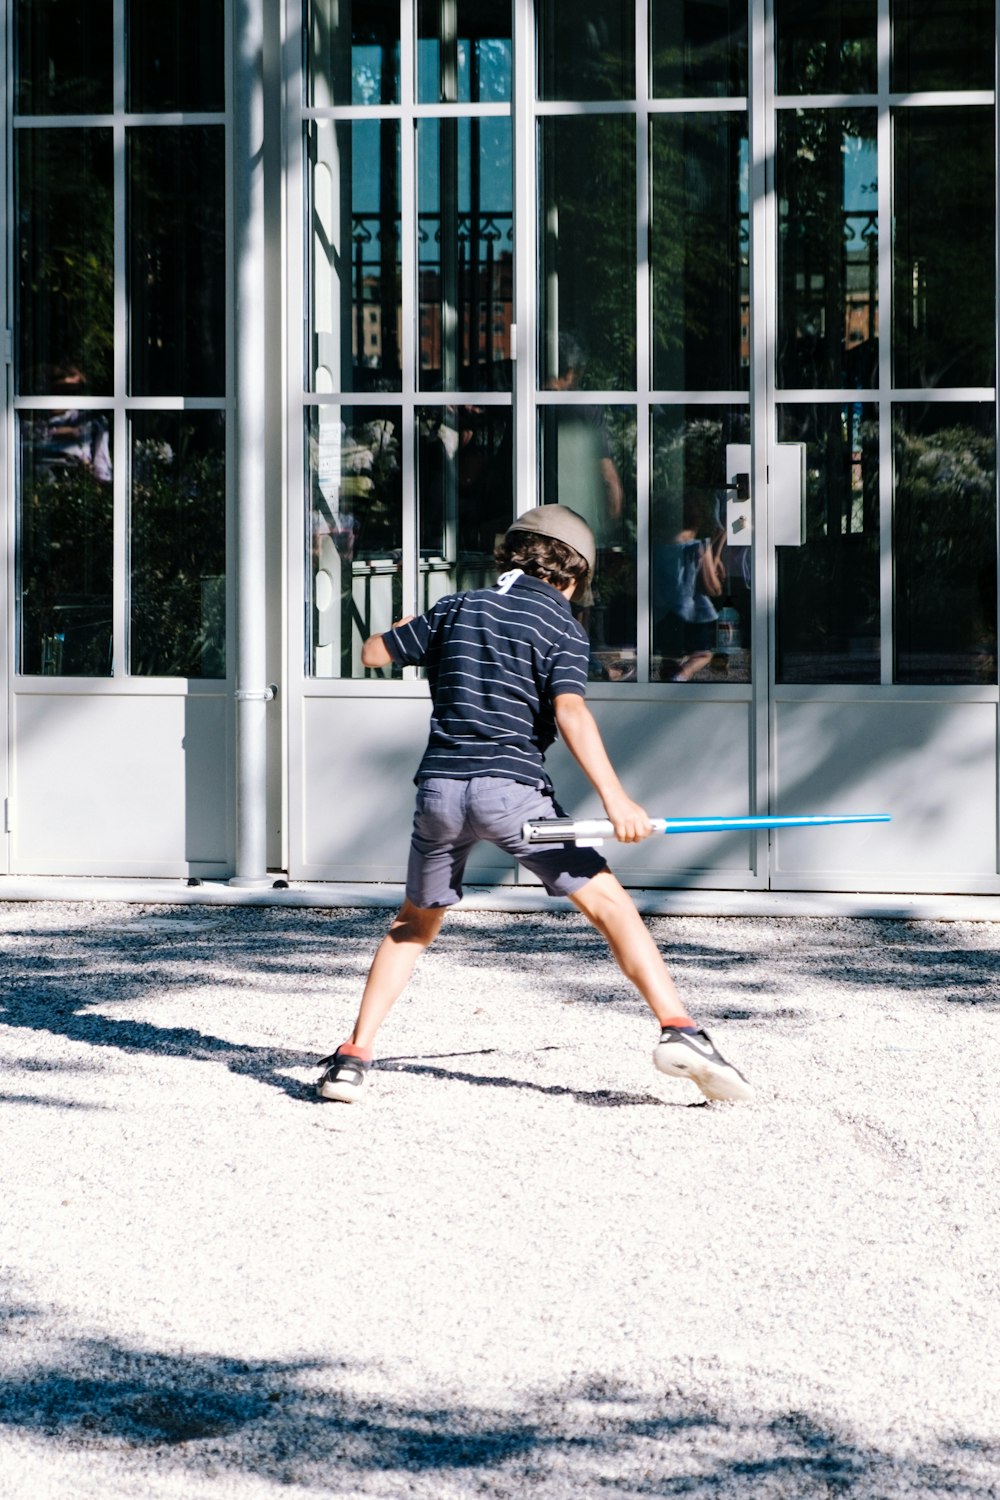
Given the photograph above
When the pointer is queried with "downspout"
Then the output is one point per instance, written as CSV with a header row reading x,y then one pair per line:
x,y
252,692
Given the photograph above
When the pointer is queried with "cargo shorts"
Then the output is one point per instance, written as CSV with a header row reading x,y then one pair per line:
x,y
452,816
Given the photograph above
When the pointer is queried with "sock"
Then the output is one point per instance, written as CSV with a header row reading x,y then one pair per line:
x,y
681,1023
350,1050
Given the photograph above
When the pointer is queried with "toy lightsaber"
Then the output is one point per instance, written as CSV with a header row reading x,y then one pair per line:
x,y
585,830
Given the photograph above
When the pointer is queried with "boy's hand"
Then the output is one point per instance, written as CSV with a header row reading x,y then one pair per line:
x,y
630,821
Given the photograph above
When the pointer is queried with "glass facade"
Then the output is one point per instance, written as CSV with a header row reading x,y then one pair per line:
x,y
641,276
731,296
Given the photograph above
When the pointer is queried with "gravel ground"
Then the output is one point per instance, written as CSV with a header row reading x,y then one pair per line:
x,y
528,1264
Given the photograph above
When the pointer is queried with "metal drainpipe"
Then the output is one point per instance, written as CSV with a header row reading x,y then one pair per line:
x,y
252,692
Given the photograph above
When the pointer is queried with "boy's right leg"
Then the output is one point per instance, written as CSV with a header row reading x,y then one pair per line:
x,y
411,934
684,1049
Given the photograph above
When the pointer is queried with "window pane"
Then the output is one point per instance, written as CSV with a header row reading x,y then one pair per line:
x,y
65,56
700,553
943,296
700,252
352,52
944,532
65,532
177,545
65,260
827,627
826,46
176,55
937,46
177,260
698,48
356,534
586,50
465,215
355,251
465,491
827,182
587,234
463,51
587,458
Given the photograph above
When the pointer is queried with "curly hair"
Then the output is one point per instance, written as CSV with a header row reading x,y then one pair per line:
x,y
542,557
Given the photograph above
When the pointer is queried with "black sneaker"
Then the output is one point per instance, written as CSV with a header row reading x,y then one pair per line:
x,y
344,1078
693,1054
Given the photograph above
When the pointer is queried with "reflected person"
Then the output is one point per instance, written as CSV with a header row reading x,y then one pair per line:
x,y
687,578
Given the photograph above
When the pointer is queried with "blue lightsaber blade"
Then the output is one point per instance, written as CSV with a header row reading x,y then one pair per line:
x,y
577,830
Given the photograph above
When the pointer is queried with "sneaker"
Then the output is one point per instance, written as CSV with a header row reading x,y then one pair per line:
x,y
693,1054
344,1077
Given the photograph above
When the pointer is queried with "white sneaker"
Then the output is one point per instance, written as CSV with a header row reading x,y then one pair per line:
x,y
344,1077
693,1054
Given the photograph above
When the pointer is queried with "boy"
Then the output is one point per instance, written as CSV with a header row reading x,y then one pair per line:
x,y
507,668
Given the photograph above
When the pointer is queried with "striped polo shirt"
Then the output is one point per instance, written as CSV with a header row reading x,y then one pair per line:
x,y
496,659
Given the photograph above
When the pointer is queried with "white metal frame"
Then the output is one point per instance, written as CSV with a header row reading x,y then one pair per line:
x,y
7,427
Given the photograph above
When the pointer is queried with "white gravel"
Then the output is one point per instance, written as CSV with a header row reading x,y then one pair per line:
x,y
528,1264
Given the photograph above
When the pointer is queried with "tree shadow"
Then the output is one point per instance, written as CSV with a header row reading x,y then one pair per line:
x,y
300,1424
54,988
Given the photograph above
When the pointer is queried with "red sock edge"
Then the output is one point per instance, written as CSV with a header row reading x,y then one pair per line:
x,y
350,1050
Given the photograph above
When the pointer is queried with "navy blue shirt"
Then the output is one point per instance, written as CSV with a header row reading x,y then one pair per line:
x,y
496,659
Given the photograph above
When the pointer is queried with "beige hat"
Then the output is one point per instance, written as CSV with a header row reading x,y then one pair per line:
x,y
563,525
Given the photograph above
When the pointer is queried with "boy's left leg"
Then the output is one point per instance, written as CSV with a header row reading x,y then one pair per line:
x,y
411,934
684,1049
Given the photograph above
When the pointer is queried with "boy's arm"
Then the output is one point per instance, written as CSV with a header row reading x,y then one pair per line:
x,y
578,728
374,652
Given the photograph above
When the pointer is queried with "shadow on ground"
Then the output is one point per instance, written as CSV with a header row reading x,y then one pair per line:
x,y
301,1425
53,978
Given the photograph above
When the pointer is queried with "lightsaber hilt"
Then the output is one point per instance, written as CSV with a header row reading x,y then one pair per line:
x,y
589,830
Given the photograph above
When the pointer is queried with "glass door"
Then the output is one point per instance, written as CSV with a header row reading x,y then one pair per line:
x,y
880,434
120,257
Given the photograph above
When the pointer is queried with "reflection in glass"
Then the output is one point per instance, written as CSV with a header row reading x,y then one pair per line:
x,y
466,253
827,189
698,49
827,627
587,461
588,270
64,544
463,51
65,262
175,55
826,46
177,545
937,46
355,250
465,494
944,533
356,533
177,260
65,56
700,252
700,552
943,294
586,50
352,52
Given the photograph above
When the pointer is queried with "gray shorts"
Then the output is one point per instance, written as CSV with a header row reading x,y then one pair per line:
x,y
452,816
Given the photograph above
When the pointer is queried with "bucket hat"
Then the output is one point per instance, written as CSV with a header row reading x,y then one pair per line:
x,y
562,525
